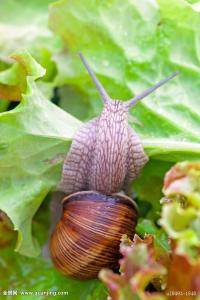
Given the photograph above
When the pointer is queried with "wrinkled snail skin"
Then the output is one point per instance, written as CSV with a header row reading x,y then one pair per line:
x,y
106,155
88,235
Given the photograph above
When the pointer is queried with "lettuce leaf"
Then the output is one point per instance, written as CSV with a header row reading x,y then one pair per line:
x,y
131,46
24,24
181,208
34,140
139,266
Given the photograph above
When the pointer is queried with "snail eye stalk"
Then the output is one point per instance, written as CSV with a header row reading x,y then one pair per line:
x,y
150,90
97,83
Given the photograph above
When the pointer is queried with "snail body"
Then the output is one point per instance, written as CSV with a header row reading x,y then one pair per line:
x,y
106,155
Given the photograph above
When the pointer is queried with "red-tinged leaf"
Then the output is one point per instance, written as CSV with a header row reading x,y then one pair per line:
x,y
13,80
6,230
157,257
138,269
181,212
12,83
183,278
182,182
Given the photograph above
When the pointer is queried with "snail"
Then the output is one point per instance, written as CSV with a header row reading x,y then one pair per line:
x,y
106,155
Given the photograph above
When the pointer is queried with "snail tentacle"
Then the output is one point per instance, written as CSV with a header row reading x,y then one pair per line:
x,y
150,90
99,86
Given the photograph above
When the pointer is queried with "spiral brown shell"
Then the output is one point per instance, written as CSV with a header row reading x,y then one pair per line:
x,y
88,235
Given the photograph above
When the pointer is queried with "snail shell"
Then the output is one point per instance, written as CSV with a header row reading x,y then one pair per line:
x,y
88,235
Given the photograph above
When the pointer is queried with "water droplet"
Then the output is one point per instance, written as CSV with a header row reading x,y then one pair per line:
x,y
106,63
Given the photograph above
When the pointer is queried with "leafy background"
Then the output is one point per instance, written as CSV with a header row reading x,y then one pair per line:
x,y
130,45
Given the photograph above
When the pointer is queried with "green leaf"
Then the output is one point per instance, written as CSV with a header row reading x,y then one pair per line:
x,y
24,24
182,225
75,103
182,182
181,212
131,46
146,226
4,105
148,188
176,220
13,80
34,139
